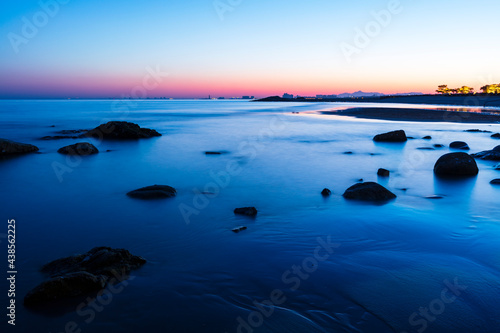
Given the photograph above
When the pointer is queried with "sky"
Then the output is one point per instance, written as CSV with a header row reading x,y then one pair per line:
x,y
196,48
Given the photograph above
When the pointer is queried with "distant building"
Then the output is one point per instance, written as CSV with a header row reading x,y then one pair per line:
x,y
326,96
287,96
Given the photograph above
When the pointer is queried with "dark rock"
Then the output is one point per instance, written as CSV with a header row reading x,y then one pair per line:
x,y
456,164
410,137
66,286
81,149
496,136
383,172
58,137
348,153
326,192
8,147
438,145
495,182
238,229
459,145
426,148
369,192
98,261
477,131
361,180
428,137
67,132
395,136
489,155
216,152
153,192
121,130
80,274
249,211
497,167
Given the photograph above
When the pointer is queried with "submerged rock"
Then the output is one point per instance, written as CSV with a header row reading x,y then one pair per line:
x,y
238,229
121,130
426,148
383,173
434,197
496,136
428,137
326,192
369,191
395,136
248,211
438,145
456,164
489,155
8,147
153,192
81,274
495,182
81,149
459,145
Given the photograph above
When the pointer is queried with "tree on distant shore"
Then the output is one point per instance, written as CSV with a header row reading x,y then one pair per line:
x,y
464,90
443,89
491,89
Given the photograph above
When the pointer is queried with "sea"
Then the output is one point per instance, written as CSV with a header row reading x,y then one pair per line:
x,y
428,261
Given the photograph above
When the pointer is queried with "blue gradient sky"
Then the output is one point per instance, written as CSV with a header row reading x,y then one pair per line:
x,y
103,49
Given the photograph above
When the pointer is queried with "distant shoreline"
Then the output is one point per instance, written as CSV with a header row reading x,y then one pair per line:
x,y
420,115
471,101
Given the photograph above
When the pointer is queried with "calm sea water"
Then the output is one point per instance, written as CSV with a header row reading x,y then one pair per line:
x,y
411,265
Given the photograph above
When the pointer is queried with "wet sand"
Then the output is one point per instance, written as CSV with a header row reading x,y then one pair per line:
x,y
422,115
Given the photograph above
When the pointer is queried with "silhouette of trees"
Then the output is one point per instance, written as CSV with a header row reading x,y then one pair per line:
x,y
491,89
465,90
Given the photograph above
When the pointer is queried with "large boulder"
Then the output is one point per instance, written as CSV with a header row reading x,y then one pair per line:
x,y
121,130
8,147
82,274
456,164
81,149
459,145
153,192
67,286
368,191
395,136
496,136
98,261
490,155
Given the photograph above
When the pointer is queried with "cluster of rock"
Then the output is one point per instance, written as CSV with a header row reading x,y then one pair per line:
x,y
112,130
82,274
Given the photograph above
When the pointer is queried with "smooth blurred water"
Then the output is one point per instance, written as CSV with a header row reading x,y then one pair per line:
x,y
390,261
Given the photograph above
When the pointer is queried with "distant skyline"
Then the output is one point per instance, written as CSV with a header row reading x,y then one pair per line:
x,y
152,48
